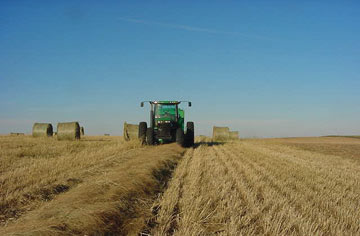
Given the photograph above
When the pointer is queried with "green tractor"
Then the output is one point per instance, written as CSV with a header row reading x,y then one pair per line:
x,y
166,125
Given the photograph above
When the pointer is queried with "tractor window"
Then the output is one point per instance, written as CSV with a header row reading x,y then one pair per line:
x,y
165,111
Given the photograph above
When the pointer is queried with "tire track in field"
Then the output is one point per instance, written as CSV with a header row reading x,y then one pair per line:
x,y
237,196
206,205
201,197
169,204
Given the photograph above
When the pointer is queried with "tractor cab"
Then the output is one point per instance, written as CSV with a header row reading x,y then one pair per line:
x,y
168,113
165,113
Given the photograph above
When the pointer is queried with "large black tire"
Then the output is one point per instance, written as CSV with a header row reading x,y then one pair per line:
x,y
150,140
142,131
190,134
180,137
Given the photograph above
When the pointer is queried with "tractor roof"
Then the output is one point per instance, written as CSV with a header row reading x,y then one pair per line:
x,y
166,102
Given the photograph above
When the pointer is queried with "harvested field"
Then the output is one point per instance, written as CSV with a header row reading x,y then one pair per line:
x,y
93,186
264,187
104,185
340,146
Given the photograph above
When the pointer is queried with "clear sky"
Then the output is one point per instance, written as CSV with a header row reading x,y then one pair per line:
x,y
264,68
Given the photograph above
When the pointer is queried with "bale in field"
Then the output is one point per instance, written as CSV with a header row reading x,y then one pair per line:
x,y
68,131
82,131
234,134
131,131
221,133
17,134
42,130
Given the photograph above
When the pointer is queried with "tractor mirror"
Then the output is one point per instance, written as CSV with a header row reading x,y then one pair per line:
x,y
142,104
189,104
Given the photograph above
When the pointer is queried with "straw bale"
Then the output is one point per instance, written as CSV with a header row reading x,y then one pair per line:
x,y
42,130
131,131
234,134
68,131
220,133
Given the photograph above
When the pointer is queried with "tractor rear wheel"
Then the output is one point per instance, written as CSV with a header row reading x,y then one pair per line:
x,y
150,136
142,131
180,137
190,134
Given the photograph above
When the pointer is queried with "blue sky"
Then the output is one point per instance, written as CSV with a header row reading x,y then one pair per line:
x,y
265,68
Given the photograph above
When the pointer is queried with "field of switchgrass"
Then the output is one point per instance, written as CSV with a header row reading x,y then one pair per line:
x,y
96,185
303,186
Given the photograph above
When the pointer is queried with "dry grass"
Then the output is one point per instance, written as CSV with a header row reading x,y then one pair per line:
x,y
348,148
264,187
103,185
94,186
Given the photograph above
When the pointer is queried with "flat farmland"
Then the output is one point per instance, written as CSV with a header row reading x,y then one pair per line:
x,y
104,185
98,185
299,186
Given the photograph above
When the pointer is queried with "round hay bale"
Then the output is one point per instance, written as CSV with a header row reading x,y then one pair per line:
x,y
68,131
42,130
131,132
234,134
221,133
82,131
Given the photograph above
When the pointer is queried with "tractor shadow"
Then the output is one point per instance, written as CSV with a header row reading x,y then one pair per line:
x,y
208,144
95,140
